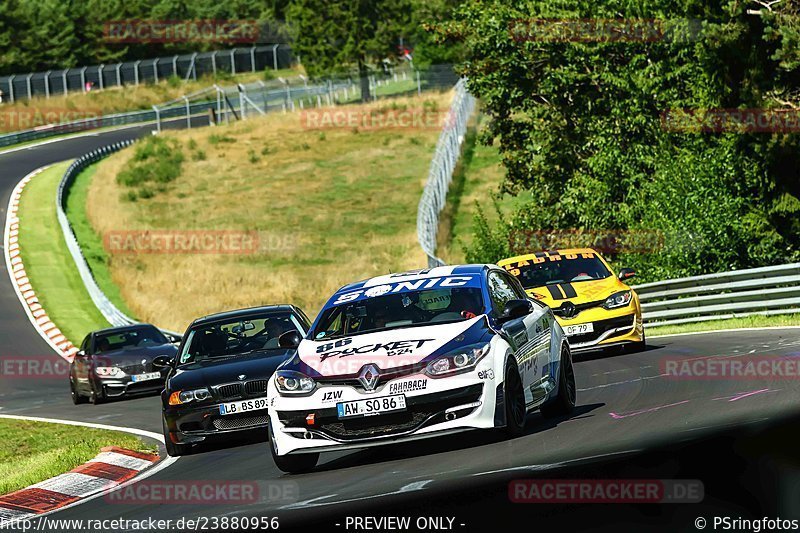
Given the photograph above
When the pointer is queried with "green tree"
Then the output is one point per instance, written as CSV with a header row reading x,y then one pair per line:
x,y
579,118
334,35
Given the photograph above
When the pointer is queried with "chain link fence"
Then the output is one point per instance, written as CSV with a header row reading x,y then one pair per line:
x,y
440,175
216,103
188,67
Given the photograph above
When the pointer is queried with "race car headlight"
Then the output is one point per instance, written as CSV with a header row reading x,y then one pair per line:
x,y
619,299
185,396
109,372
460,360
291,382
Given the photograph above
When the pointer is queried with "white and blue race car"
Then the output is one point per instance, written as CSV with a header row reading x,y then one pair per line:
x,y
419,354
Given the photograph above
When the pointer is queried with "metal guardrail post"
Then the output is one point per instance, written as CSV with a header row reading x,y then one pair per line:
x,y
253,59
275,57
136,72
11,87
47,84
233,61
158,118
28,85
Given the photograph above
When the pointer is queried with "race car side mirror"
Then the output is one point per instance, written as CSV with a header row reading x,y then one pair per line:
x,y
162,361
290,339
80,353
626,273
515,309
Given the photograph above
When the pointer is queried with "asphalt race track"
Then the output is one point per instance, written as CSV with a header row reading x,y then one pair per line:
x,y
631,421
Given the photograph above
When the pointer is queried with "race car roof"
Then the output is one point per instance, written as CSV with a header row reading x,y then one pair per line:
x,y
243,313
566,251
448,270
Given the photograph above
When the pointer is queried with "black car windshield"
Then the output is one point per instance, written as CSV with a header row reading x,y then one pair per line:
x,y
584,267
137,337
407,309
237,336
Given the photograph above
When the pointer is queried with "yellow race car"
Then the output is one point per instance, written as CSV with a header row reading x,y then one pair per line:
x,y
595,308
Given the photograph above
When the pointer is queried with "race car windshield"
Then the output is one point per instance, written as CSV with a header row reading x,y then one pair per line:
x,y
392,311
236,337
560,271
139,337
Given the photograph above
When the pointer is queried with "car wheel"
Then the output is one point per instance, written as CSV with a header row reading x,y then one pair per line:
x,y
514,401
564,402
77,397
292,464
96,398
173,450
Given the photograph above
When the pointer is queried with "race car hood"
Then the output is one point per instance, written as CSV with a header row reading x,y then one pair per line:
x,y
259,365
135,355
388,350
578,292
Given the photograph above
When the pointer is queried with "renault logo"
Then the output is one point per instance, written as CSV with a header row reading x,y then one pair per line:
x,y
568,310
369,376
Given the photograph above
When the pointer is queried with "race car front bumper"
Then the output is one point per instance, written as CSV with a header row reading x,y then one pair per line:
x,y
445,405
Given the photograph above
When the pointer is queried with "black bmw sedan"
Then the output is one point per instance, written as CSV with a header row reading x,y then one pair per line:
x,y
217,384
118,362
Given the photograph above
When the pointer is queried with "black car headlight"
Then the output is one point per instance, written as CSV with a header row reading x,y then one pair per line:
x,y
181,397
291,382
618,299
462,359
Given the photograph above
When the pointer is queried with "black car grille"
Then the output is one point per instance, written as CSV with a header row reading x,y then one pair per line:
x,y
257,386
226,392
421,411
382,379
579,308
135,369
240,423
601,326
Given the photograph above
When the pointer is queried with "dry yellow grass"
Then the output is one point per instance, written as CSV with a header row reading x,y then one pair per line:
x,y
331,206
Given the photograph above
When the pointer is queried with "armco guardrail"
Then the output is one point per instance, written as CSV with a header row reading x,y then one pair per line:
x,y
448,151
114,316
770,290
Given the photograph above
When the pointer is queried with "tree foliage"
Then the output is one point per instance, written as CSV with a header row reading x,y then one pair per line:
x,y
581,134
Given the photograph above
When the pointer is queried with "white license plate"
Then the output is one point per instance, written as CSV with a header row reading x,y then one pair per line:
x,y
146,377
373,406
244,406
579,329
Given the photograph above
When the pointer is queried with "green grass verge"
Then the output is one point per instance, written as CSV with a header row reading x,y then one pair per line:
x,y
755,321
92,243
31,452
48,263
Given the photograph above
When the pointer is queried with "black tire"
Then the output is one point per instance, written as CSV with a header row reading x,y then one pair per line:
x,y
514,401
173,450
292,464
639,346
96,398
564,402
77,397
